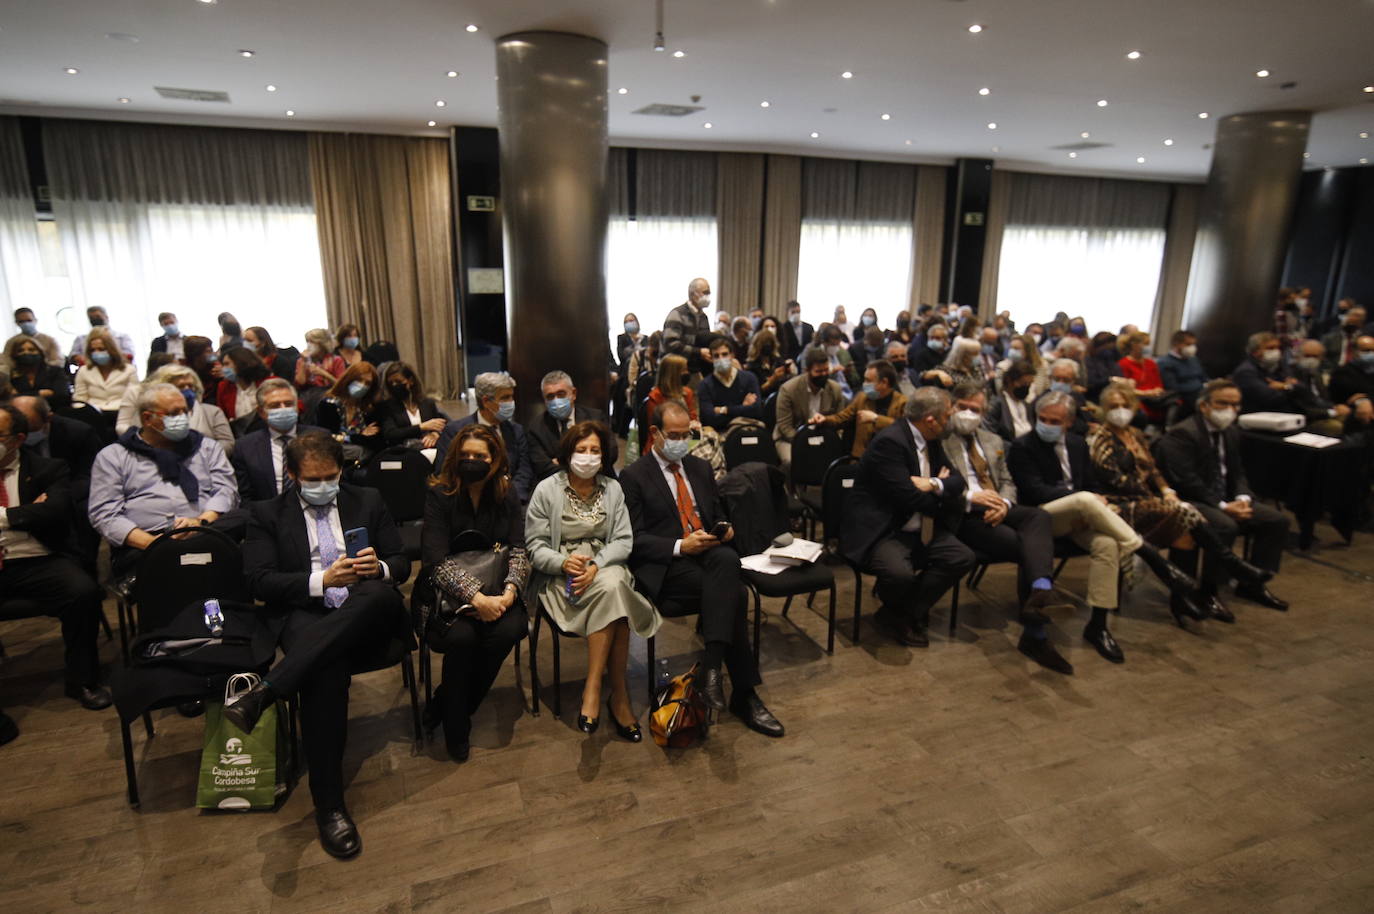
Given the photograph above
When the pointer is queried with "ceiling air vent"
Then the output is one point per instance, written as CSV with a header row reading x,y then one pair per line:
x,y
669,110
192,95
1081,147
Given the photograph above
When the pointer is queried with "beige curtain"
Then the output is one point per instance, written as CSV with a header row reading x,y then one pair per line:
x,y
739,230
781,232
928,224
1178,262
383,205
999,197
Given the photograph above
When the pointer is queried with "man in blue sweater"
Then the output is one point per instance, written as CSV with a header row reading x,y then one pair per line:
x,y
728,391
1182,372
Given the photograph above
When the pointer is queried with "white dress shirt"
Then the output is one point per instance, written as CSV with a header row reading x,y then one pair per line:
x,y
15,544
913,524
336,527
663,465
1020,415
1061,451
104,393
278,447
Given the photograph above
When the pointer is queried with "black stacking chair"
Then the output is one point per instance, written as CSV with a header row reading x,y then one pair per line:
x,y
743,445
814,449
400,474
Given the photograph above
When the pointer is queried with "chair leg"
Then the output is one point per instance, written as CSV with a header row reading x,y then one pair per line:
x,y
148,724
830,636
954,609
130,774
534,667
652,669
427,670
858,601
758,625
408,677
557,674
787,604
809,598
105,624
122,613
1058,568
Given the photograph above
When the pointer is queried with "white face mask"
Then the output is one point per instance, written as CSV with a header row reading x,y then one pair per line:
x,y
966,421
1270,357
1120,416
704,302
585,466
1221,419
1189,351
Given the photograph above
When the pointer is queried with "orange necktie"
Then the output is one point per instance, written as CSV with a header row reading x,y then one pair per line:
x,y
686,512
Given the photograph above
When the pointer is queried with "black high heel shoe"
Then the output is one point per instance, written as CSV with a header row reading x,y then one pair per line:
x,y
587,724
631,733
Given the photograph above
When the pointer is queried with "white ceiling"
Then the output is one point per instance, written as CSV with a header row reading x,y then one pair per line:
x,y
348,64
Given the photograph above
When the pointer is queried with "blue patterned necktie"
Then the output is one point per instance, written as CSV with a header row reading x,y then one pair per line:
x,y
329,554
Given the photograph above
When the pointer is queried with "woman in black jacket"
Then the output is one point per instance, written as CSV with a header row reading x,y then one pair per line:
x,y
472,491
406,413
31,376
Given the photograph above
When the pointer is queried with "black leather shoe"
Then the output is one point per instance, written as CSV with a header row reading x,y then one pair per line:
x,y
631,733
918,636
9,730
1042,652
1260,594
459,752
900,629
338,835
1106,645
712,689
1217,610
1034,612
91,697
191,708
587,724
243,712
756,716
1184,607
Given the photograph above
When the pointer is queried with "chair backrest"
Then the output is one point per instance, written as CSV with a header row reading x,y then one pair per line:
x,y
642,418
770,411
197,563
814,448
835,491
85,412
399,474
743,445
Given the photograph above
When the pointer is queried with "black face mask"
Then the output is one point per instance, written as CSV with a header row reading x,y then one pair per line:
x,y
471,470
97,322
399,391
28,360
899,364
817,382
1020,393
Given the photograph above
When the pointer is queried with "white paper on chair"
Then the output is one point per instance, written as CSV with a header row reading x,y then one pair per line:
x,y
762,564
797,552
1308,439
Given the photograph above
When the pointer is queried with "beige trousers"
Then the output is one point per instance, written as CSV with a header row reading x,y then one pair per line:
x,y
1100,531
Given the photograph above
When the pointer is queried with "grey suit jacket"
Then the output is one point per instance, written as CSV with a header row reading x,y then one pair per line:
x,y
994,451
793,409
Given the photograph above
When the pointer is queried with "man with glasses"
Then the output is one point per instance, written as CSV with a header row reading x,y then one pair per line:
x,y
158,477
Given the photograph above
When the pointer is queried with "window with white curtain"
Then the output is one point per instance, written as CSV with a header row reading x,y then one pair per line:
x,y
858,265
650,261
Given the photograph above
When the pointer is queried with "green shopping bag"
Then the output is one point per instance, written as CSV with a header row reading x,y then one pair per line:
x,y
242,770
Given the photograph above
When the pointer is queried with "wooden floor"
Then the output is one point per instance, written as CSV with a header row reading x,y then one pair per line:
x,y
1228,771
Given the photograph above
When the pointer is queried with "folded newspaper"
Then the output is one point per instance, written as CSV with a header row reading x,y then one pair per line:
x,y
1308,439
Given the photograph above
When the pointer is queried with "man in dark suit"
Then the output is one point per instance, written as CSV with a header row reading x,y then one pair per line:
x,y
561,412
1354,380
338,613
259,458
1200,457
904,510
674,506
35,517
75,442
495,391
171,341
926,355
795,335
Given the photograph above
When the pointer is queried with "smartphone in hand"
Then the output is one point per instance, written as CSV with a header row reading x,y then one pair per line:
x,y
720,529
355,541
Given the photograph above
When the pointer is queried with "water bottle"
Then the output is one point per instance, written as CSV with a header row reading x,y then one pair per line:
x,y
664,677
214,619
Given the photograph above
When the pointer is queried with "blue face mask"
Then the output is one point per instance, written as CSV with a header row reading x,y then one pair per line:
x,y
755,322
1015,355
869,320
358,389
282,418
936,345
320,494
1063,387
171,330
989,349
871,391
176,428
505,411
34,439
100,357
674,451
1050,434
28,328
350,342
1367,360
723,366
227,372
1077,328
189,394
632,327
559,407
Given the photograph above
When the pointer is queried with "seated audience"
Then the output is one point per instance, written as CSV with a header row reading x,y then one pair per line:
x,y
35,555
350,344
207,419
337,613
230,332
158,477
830,340
200,357
796,334
27,323
963,364
30,375
870,347
895,354
560,412
728,392
1009,414
473,491
672,385
900,522
873,409
990,351
868,320
679,562
99,319
1100,363
351,411
1135,365
1310,394
926,356
579,539
106,376
1355,378
1054,332
740,332
69,440
171,340
318,366
1023,349
766,363
241,373
805,400
259,459
407,414
1201,459
280,362
1341,341
495,392
1181,372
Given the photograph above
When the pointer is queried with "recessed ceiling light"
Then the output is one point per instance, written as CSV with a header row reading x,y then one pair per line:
x,y
209,2
997,149
975,28
290,113
908,142
985,91
1132,55
271,88
887,117
846,75
679,54
431,123
122,36
452,74
992,125
123,101
471,27
1203,115
1085,134
1369,89
1140,160
815,135
622,91
1307,155
70,71
765,103
1364,134
1073,155
1364,161
244,52
1262,74
707,125
1168,142
439,103
1101,103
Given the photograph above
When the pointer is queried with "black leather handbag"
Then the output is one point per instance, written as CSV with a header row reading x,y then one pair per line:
x,y
475,559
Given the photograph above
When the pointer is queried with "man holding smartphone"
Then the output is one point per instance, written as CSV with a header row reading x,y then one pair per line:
x,y
682,559
308,558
